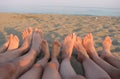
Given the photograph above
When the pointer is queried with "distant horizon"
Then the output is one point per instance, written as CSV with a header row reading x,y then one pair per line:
x,y
85,7
92,11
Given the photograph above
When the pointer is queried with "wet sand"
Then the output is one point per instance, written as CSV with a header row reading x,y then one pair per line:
x,y
58,26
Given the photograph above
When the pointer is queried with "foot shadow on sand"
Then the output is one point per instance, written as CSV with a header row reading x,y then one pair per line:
x,y
2,38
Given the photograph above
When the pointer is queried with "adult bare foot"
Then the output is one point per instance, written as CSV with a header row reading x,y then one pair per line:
x,y
68,44
27,38
106,47
55,49
36,41
4,47
45,49
89,45
82,53
14,42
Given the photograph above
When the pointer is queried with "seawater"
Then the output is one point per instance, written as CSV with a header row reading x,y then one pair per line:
x,y
69,10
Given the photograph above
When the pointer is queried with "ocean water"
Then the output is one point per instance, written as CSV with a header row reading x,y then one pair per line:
x,y
69,10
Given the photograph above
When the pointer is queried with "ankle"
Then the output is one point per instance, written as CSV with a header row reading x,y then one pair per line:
x,y
66,58
34,51
85,59
23,48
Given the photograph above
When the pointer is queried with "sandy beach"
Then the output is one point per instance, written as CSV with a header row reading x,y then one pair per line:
x,y
58,26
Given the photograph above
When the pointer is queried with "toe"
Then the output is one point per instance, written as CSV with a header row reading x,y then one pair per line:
x,y
16,38
30,29
90,36
11,36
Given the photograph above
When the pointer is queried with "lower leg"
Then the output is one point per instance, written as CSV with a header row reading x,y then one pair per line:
x,y
88,64
51,69
21,64
17,67
107,55
89,45
12,54
36,71
66,69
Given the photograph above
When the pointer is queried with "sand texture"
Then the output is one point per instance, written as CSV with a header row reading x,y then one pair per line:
x,y
58,26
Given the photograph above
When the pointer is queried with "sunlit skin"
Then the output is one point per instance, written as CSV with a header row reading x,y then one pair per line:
x,y
68,45
36,71
14,42
12,54
23,63
27,38
88,64
109,57
89,46
45,49
80,48
19,63
53,66
66,69
106,47
35,47
55,48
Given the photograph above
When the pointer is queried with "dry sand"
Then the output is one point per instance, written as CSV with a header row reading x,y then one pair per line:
x,y
58,26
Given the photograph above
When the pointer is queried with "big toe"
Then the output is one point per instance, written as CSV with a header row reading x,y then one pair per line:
x,y
108,39
30,29
90,36
16,38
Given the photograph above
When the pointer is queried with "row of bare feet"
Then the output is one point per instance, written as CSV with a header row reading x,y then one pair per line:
x,y
85,47
34,40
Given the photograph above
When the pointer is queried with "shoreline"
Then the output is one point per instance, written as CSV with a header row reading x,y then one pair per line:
x,y
25,13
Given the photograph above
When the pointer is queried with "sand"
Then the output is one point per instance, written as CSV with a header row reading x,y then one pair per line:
x,y
58,26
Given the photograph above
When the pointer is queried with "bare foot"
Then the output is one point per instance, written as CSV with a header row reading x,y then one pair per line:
x,y
68,44
45,49
14,42
89,45
55,49
82,53
106,47
27,37
36,41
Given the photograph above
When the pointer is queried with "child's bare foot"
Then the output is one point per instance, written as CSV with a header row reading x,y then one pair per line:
x,y
14,42
55,49
82,53
89,45
45,49
36,41
27,37
106,47
68,44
